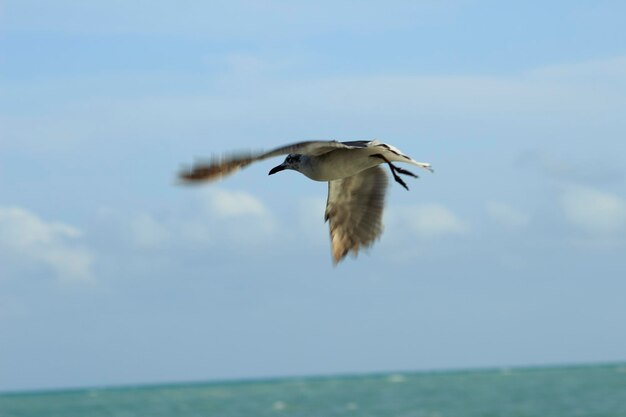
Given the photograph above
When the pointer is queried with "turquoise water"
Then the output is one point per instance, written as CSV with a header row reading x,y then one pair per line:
x,y
543,392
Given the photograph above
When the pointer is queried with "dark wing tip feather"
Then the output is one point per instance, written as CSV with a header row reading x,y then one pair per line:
x,y
199,172
215,168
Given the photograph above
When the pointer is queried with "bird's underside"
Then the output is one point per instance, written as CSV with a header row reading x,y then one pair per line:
x,y
355,203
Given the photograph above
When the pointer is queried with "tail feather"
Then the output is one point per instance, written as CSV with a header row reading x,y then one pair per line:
x,y
394,154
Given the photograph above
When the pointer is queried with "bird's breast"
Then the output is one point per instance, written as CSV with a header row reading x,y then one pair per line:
x,y
339,164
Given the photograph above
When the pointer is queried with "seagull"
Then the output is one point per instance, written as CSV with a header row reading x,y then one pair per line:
x,y
356,182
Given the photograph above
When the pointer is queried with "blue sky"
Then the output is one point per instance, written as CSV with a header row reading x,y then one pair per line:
x,y
510,254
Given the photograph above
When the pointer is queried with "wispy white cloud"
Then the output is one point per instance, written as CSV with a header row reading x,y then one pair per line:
x,y
200,19
147,232
507,215
219,215
581,170
599,70
55,245
211,215
528,106
427,220
236,217
310,220
229,204
596,213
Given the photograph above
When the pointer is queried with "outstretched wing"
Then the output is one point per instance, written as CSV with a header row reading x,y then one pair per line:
x,y
314,147
220,166
354,210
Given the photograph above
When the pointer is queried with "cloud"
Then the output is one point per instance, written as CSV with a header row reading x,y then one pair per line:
x,y
208,216
226,216
201,19
506,215
594,212
147,232
428,220
590,171
600,70
310,219
530,106
31,239
229,204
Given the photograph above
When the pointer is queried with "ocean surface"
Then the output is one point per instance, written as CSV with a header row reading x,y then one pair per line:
x,y
543,392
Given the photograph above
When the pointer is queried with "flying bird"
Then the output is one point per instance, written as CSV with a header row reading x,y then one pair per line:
x,y
356,182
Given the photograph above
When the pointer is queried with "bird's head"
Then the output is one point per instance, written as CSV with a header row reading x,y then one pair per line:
x,y
292,161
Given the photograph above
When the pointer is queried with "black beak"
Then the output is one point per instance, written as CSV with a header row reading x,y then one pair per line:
x,y
277,169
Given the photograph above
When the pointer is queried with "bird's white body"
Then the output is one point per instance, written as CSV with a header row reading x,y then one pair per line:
x,y
343,163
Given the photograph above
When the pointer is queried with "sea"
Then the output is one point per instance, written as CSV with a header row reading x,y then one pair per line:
x,y
565,391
